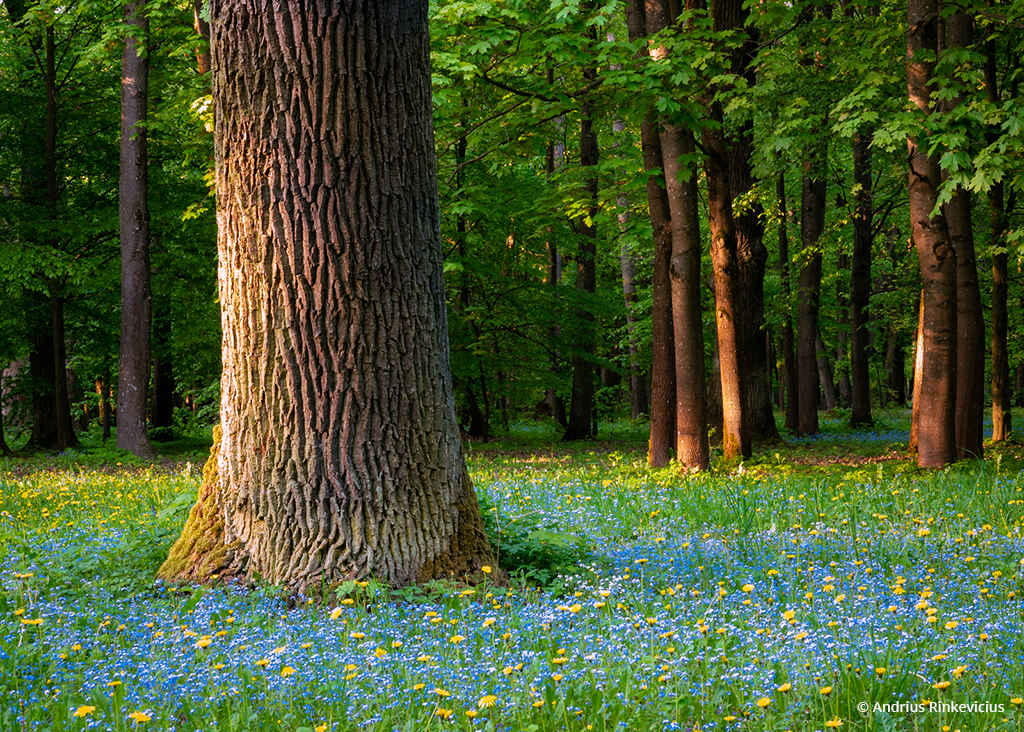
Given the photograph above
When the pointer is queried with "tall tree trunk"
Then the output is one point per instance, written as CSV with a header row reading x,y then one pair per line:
x,y
691,443
581,408
663,369
1001,419
752,260
935,253
860,282
727,15
970,323
554,279
788,357
340,456
163,372
136,300
896,379
812,224
692,449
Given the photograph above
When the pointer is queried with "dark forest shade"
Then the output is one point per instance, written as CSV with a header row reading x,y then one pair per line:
x,y
340,454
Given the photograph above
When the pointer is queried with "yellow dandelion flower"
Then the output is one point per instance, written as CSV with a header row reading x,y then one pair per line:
x,y
489,622
140,717
487,701
83,711
456,639
789,614
287,671
826,690
763,702
538,704
941,685
1016,701
748,588
320,728
471,713
441,692
263,662
204,641
443,713
834,723
785,687
486,570
357,635
336,613
418,687
880,670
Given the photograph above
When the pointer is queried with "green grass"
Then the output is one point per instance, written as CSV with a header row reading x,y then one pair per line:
x,y
775,594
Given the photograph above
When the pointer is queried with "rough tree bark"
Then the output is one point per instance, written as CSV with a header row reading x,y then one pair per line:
x,y
970,323
812,223
726,15
691,443
752,259
936,443
136,299
340,455
663,369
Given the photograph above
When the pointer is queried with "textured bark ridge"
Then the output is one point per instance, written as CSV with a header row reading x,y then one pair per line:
x,y
340,455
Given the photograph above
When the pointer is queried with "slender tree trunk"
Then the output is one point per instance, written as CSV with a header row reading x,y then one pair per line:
x,y
915,410
970,345
65,433
727,15
103,391
812,223
340,456
4,449
136,299
663,369
554,279
203,31
581,408
788,357
1001,419
163,373
935,253
860,282
827,377
895,376
692,449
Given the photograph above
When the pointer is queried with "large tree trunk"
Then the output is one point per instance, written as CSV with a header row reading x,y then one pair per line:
x,y
936,419
663,369
788,357
136,300
581,407
752,258
203,31
970,323
812,223
691,442
860,282
727,15
340,456
692,448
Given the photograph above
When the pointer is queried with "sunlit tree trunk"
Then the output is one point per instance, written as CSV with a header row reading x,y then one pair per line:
x,y
663,369
727,15
936,443
340,456
136,298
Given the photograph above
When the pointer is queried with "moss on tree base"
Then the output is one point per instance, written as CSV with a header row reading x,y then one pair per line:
x,y
200,551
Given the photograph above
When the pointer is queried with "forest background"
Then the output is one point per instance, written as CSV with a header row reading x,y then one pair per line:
x,y
559,286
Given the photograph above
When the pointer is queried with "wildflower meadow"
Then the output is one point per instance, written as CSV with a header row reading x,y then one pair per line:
x,y
855,593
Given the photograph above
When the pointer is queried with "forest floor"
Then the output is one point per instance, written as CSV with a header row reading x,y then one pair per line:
x,y
819,584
